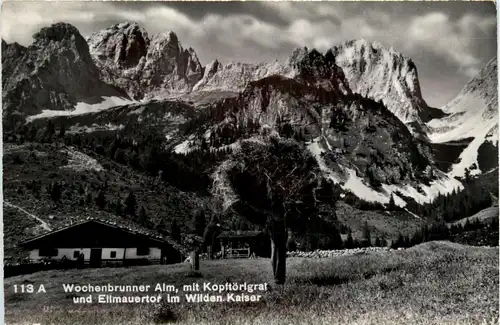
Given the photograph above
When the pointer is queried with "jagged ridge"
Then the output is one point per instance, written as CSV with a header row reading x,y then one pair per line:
x,y
55,72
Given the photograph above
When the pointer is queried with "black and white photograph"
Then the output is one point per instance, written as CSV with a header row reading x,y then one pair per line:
x,y
250,162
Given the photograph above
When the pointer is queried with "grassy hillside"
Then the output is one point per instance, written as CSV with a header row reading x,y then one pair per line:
x,y
433,283
483,216
383,224
60,184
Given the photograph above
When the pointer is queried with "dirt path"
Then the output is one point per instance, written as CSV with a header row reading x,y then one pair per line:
x,y
42,223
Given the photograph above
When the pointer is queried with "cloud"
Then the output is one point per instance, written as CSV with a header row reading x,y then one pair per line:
x,y
457,41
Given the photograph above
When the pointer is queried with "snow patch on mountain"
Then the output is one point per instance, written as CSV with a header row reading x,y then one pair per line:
x,y
472,111
84,108
355,184
444,185
472,114
316,150
469,156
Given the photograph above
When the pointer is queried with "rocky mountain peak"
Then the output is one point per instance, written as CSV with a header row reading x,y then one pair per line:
x,y
61,36
58,32
310,66
379,73
144,66
11,54
55,72
120,45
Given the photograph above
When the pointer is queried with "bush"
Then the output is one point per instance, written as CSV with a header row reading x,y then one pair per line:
x,y
164,315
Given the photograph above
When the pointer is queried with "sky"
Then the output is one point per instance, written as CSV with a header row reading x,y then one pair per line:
x,y
448,41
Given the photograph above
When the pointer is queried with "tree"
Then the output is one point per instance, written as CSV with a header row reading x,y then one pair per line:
x,y
50,130
55,192
275,187
367,242
392,204
100,200
372,178
467,175
143,216
175,231
161,227
88,198
334,239
349,243
119,156
118,207
62,131
35,188
130,204
199,222
398,242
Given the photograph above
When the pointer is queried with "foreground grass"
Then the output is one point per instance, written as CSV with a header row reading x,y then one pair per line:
x,y
433,283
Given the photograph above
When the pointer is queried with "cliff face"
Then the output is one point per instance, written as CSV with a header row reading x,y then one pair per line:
x,y
54,73
303,62
144,67
385,75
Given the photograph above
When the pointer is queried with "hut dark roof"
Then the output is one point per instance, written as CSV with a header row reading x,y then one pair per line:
x,y
240,234
133,229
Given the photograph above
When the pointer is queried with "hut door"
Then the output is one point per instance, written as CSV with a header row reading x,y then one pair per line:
x,y
95,257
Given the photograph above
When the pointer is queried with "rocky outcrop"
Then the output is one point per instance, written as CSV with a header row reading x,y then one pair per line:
x,y
11,55
145,67
384,74
54,73
302,63
121,45
235,76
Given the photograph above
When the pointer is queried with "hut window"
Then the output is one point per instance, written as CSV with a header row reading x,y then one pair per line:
x,y
76,254
142,251
112,254
47,252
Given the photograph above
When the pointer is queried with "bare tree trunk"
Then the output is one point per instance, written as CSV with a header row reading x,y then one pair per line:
x,y
278,251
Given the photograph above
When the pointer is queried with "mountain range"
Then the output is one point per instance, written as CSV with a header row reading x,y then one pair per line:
x,y
357,109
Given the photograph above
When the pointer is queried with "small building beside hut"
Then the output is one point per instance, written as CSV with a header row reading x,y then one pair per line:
x,y
97,243
244,244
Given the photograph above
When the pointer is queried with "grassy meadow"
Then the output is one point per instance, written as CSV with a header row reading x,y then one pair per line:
x,y
433,283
